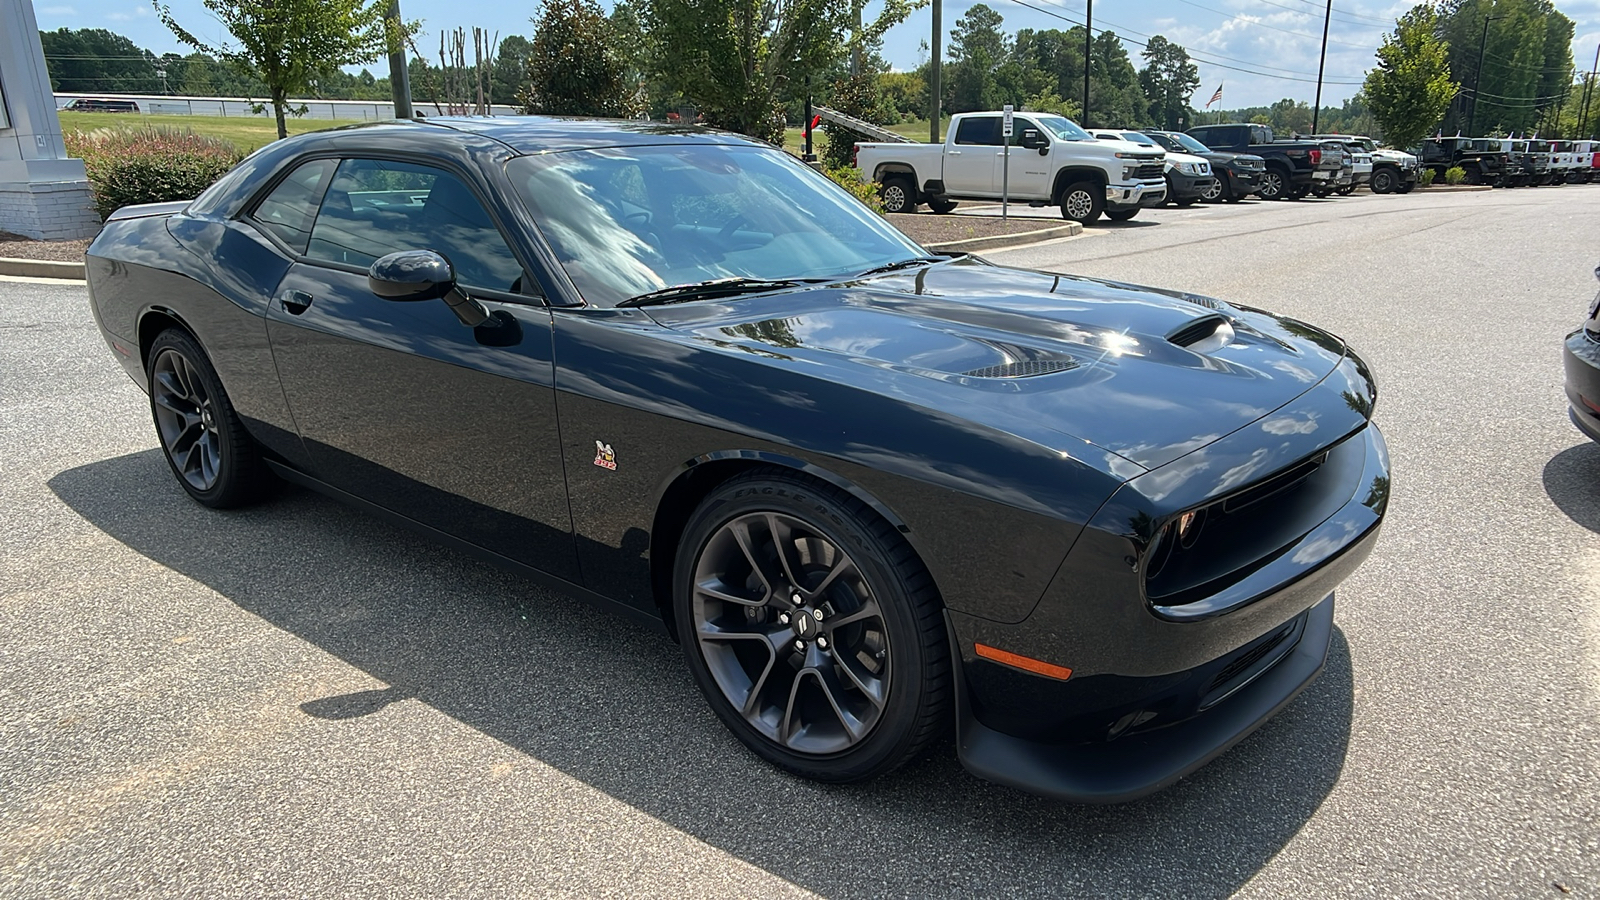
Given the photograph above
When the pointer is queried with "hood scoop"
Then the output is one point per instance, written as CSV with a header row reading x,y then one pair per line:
x,y
1025,368
1207,334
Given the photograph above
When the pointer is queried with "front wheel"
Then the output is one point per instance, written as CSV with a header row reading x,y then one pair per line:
x,y
201,436
1406,188
1213,191
899,195
1123,215
1383,181
811,627
1082,202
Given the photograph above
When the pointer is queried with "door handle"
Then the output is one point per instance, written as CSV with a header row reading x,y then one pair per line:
x,y
296,302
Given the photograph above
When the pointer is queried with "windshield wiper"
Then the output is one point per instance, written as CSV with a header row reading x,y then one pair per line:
x,y
681,293
903,264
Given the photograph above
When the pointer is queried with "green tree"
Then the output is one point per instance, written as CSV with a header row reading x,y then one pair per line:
x,y
509,77
288,44
1515,69
94,60
1168,80
1289,117
1411,87
739,61
573,69
978,49
1115,98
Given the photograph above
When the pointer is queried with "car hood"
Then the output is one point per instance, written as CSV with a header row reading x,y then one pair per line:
x,y
1147,375
1224,157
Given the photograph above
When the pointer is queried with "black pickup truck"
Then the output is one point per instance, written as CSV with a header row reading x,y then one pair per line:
x,y
1294,168
1483,159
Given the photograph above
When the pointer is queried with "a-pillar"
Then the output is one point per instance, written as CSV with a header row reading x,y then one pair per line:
x,y
43,194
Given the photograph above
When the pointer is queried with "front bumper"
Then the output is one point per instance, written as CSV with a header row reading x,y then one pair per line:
x,y
1137,195
1142,708
1245,181
1187,187
1581,360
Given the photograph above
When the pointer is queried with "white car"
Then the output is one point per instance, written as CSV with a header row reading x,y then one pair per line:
x,y
1188,177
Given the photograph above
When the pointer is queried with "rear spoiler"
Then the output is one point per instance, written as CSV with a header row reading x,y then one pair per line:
x,y
144,210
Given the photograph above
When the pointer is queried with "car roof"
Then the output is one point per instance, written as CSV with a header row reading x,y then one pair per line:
x,y
543,134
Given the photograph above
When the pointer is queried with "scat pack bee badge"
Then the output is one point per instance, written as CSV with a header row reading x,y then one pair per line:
x,y
604,456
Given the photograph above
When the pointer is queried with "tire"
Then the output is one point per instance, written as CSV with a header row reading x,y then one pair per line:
x,y
1383,181
899,194
1406,187
1345,191
1322,194
1235,196
1298,192
206,446
1274,184
778,672
1214,193
942,207
1082,202
1186,201
1123,215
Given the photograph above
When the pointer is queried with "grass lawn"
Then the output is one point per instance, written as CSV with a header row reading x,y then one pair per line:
x,y
248,133
794,139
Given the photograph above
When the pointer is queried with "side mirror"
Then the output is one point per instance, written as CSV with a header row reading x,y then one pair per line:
x,y
1030,138
412,275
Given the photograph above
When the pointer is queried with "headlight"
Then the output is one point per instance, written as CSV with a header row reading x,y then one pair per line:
x,y
1188,168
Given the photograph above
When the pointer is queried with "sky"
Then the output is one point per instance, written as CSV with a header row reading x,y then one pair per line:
x,y
1277,40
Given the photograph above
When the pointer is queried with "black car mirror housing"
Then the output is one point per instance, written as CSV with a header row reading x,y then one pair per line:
x,y
412,275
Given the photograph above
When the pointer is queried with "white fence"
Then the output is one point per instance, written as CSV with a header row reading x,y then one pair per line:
x,y
361,110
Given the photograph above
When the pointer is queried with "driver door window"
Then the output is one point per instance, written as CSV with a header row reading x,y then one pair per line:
x,y
375,207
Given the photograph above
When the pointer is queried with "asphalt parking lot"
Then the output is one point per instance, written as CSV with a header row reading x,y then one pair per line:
x,y
300,700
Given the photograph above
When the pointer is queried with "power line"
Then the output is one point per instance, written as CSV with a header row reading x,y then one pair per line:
x,y
1122,33
1241,18
1386,23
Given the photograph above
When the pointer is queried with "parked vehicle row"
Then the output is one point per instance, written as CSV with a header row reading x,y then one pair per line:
x,y
1115,171
1513,162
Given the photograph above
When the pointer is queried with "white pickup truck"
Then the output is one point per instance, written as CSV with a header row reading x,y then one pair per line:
x,y
1053,162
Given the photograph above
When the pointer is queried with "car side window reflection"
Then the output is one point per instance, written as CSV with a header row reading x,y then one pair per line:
x,y
287,211
375,207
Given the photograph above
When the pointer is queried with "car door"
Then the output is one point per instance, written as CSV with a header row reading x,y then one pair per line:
x,y
399,403
969,162
1029,175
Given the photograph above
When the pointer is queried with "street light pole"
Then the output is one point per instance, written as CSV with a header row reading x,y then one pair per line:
x,y
1477,77
1088,50
1316,111
1588,89
399,74
934,88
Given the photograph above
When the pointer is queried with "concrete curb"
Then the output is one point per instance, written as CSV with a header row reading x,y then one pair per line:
x,y
1451,188
1019,239
42,268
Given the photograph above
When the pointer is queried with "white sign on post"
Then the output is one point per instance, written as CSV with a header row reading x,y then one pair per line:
x,y
1005,165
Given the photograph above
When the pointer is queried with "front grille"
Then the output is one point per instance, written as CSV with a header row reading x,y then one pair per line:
x,y
1023,368
1149,170
1276,484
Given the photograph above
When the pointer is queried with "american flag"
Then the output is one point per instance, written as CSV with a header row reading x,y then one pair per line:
x,y
1215,97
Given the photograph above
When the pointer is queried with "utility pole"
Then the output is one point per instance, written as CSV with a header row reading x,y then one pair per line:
x,y
1587,90
1477,77
1316,110
399,75
1088,49
934,88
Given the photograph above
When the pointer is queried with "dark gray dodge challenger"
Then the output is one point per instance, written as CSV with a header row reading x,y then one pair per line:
x,y
876,494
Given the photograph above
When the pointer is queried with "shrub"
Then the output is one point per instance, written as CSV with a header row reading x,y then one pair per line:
x,y
865,191
1455,175
149,163
1425,177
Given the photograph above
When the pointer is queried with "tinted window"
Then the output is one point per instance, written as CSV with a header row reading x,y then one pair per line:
x,y
376,207
982,130
287,211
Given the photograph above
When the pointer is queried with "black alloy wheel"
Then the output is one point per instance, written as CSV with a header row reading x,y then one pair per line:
x,y
899,195
1082,202
1274,185
811,628
207,447
1382,181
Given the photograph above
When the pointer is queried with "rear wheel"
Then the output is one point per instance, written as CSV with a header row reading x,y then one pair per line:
x,y
941,206
899,194
1346,191
201,436
1383,181
1274,185
1082,202
811,628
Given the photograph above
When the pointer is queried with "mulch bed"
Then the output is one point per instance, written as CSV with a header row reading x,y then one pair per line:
x,y
926,228
15,246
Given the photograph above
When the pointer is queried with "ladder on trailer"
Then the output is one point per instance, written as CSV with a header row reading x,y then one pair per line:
x,y
863,128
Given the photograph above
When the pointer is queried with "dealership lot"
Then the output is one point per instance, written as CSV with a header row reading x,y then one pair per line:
x,y
301,700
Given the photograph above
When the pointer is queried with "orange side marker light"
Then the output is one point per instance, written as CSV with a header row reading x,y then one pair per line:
x,y
1025,663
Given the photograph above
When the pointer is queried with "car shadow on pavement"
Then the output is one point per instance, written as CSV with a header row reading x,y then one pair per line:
x,y
1570,478
610,703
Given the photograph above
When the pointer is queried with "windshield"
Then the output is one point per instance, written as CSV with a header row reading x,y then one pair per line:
x,y
630,220
1063,129
1137,137
1187,143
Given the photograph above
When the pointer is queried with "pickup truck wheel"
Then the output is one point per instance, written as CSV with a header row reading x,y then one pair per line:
x,y
899,195
1123,215
1274,185
1082,202
1382,181
941,206
1297,192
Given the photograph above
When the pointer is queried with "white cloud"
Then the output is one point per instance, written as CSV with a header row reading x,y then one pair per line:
x,y
58,11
